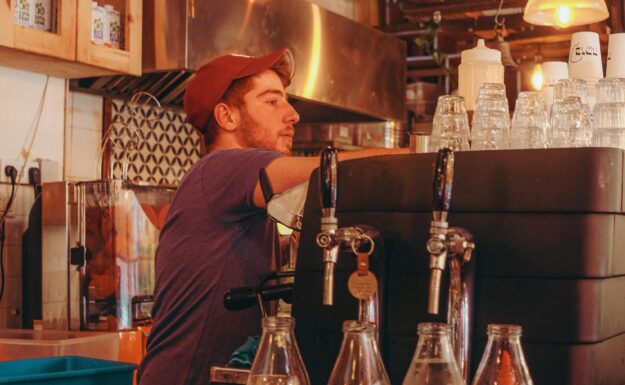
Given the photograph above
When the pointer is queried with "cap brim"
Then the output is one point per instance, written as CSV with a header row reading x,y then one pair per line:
x,y
265,62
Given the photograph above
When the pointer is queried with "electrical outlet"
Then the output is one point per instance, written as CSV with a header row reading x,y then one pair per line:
x,y
17,163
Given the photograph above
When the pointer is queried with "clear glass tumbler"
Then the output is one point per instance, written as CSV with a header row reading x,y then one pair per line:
x,y
530,125
450,126
490,129
611,90
570,125
609,114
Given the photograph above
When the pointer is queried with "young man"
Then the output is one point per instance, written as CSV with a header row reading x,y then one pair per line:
x,y
217,235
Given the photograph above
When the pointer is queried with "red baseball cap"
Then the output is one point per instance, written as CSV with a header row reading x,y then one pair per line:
x,y
213,79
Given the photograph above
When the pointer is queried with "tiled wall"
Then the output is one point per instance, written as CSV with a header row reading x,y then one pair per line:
x,y
83,131
68,133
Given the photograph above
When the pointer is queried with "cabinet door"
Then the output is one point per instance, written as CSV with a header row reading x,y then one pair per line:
x,y
127,58
60,42
6,24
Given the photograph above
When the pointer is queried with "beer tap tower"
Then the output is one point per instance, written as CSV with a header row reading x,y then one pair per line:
x,y
362,284
453,246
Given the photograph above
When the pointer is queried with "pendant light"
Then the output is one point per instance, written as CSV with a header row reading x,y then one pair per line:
x,y
565,13
537,72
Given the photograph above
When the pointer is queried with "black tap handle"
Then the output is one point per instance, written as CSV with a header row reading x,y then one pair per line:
x,y
328,176
443,179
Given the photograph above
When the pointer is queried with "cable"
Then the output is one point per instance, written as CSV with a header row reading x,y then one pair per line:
x,y
11,172
1,260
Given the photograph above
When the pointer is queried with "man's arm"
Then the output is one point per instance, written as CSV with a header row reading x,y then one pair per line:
x,y
288,171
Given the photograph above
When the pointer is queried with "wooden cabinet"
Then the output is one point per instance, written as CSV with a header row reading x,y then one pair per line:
x,y
68,51
127,59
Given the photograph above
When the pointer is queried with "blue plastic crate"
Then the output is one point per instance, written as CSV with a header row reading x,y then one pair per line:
x,y
66,370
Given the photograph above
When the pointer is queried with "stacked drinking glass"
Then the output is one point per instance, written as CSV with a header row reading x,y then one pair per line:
x,y
450,125
570,115
609,114
490,129
530,124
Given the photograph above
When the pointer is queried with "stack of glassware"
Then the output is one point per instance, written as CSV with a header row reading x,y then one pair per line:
x,y
570,115
490,128
530,123
450,125
609,114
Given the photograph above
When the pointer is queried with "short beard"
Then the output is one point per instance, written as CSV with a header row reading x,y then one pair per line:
x,y
246,131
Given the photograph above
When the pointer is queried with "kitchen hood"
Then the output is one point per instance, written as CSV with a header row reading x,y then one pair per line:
x,y
344,71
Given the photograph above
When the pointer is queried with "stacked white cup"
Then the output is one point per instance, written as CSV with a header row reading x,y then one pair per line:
x,y
616,56
585,61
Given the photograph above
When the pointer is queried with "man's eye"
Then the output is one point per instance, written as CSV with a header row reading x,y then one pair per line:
x,y
273,102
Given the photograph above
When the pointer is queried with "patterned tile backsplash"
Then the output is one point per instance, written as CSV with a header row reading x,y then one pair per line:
x,y
156,146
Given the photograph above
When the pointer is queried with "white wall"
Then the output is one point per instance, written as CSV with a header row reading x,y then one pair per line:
x,y
69,133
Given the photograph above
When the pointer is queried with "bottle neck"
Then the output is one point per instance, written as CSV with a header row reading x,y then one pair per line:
x,y
434,342
278,324
504,355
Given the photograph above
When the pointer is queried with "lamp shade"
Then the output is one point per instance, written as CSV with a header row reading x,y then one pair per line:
x,y
565,13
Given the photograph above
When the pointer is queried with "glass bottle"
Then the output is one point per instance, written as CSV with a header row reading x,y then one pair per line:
x,y
503,362
278,360
359,361
433,362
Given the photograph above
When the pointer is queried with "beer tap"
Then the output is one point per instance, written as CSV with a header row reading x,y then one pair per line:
x,y
331,237
329,223
436,244
453,246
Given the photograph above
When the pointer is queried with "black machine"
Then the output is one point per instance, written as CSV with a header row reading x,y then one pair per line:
x,y
549,257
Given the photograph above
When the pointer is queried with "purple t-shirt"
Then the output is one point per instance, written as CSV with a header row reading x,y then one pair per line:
x,y
214,239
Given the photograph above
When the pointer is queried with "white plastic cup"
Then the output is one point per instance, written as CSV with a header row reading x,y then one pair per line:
x,y
552,72
585,56
616,56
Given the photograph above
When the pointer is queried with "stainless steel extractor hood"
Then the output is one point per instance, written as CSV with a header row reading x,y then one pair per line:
x,y
345,71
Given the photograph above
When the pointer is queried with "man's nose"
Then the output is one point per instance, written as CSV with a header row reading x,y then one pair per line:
x,y
291,117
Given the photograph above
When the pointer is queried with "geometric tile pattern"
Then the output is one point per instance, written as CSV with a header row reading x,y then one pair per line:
x,y
150,145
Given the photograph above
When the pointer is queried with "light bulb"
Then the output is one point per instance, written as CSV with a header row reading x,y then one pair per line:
x,y
537,77
563,16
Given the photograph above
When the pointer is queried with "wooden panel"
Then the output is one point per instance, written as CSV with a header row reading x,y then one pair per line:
x,y
127,60
57,67
6,20
61,44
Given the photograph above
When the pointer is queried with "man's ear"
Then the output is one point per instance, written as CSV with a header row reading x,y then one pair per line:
x,y
226,117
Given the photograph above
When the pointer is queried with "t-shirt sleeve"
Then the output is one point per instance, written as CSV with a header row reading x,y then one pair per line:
x,y
229,178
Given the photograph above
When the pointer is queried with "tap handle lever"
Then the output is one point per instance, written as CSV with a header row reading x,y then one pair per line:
x,y
443,179
328,179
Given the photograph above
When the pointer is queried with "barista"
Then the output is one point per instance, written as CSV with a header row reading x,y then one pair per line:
x,y
217,235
